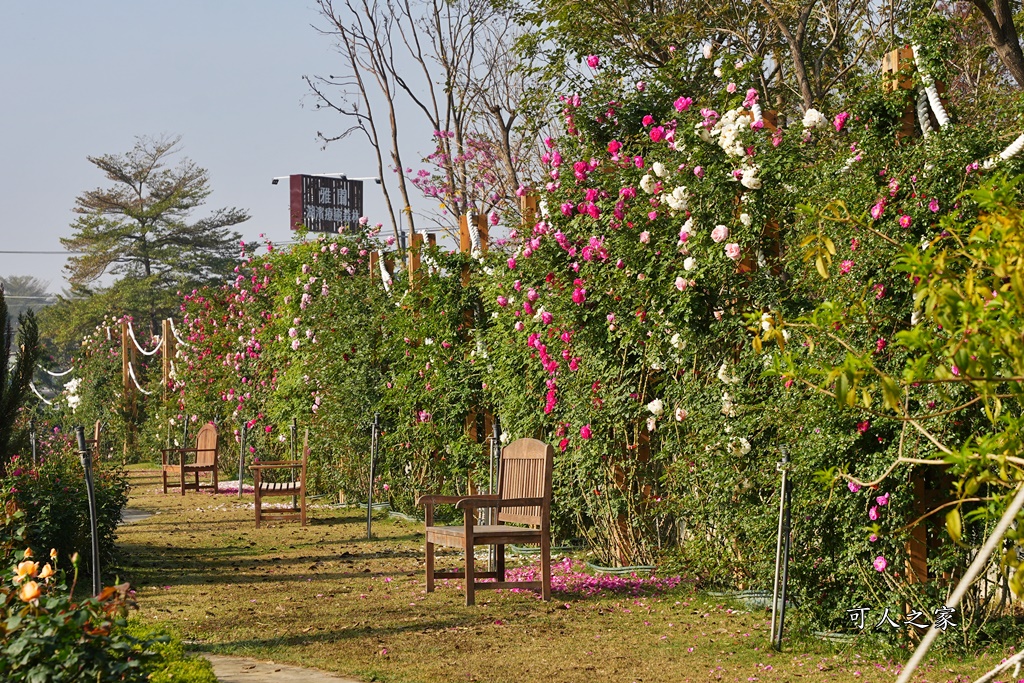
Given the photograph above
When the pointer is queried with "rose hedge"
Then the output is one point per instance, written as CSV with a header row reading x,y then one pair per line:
x,y
650,322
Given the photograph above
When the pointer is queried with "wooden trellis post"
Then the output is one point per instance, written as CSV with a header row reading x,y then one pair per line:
x,y
128,360
478,423
167,350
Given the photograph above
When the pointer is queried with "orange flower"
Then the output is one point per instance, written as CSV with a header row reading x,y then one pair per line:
x,y
46,573
28,553
30,591
53,553
24,570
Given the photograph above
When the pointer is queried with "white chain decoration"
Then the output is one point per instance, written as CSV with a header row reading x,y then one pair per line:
x,y
174,332
55,374
131,333
32,386
131,373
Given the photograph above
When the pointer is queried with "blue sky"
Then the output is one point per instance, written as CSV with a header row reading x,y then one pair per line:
x,y
85,78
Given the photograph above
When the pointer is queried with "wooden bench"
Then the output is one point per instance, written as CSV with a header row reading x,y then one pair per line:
x,y
205,460
296,487
524,497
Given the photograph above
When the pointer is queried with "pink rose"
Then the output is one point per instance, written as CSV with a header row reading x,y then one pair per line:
x,y
645,237
840,120
720,233
731,88
853,487
648,120
502,301
579,295
546,318
585,432
683,103
680,284
933,205
880,563
732,250
904,221
698,171
883,499
593,61
873,513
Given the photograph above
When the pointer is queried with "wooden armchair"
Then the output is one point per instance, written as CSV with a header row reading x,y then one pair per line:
x,y
205,460
296,487
524,497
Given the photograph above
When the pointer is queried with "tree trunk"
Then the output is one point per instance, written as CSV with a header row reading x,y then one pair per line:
x,y
1003,36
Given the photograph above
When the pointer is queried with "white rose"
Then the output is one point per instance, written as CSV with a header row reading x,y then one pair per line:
x,y
689,263
656,407
745,219
647,183
659,169
814,119
681,414
750,182
707,51
718,72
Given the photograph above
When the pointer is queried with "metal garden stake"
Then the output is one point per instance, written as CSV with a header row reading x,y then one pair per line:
x,y
781,554
86,458
492,513
374,438
32,439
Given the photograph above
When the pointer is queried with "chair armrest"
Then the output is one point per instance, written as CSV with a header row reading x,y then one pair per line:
x,y
437,500
521,502
481,501
164,452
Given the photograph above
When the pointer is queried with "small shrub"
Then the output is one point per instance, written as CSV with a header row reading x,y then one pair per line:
x,y
53,496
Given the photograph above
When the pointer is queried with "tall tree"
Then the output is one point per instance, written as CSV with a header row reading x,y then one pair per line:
x,y
140,227
25,293
15,376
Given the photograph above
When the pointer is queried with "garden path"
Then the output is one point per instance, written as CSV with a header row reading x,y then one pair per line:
x,y
245,670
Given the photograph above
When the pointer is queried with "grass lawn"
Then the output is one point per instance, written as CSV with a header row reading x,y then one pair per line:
x,y
324,596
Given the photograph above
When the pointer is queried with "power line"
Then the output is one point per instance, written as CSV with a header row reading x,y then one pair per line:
x,y
6,251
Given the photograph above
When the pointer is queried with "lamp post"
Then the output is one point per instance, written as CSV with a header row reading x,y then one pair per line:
x,y
86,457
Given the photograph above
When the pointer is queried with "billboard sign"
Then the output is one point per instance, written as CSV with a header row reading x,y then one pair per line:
x,y
325,204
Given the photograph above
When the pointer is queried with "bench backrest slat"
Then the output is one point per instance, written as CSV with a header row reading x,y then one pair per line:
x,y
526,466
206,443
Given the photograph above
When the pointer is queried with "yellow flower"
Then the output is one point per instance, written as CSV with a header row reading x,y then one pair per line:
x,y
28,553
53,553
46,573
30,591
24,570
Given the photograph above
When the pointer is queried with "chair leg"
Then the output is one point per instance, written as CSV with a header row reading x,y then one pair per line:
x,y
499,555
470,570
302,507
182,477
164,476
430,567
545,567
259,499
216,489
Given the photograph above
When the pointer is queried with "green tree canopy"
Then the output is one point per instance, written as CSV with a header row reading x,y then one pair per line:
x,y
139,228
